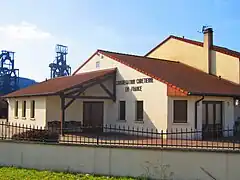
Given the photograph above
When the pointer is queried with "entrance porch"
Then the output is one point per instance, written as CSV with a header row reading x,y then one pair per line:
x,y
82,106
81,116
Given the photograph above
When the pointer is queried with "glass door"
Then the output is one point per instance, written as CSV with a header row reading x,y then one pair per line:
x,y
212,118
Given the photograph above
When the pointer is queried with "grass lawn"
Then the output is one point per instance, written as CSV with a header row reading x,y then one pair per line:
x,y
11,173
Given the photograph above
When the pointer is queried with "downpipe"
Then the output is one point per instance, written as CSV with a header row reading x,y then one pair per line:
x,y
196,111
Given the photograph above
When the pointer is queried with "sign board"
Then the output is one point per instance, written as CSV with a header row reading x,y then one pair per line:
x,y
138,81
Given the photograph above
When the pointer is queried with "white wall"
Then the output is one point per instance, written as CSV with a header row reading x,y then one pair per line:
x,y
185,165
72,113
75,111
47,108
228,112
190,115
154,96
40,111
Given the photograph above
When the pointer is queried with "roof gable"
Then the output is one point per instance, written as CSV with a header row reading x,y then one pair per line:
x,y
179,76
57,85
80,67
198,43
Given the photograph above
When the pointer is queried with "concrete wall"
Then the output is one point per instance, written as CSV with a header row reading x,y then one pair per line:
x,y
40,111
154,96
177,164
193,55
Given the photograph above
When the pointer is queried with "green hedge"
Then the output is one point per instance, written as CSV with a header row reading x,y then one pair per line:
x,y
37,135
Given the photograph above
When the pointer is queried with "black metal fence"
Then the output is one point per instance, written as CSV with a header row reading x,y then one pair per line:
x,y
112,135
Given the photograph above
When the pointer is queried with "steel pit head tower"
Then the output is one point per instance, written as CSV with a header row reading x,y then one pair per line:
x,y
59,66
9,76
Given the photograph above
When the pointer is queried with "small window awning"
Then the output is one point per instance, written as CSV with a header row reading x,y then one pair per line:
x,y
66,85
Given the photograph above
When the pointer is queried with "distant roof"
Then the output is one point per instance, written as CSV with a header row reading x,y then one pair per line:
x,y
198,43
182,77
59,84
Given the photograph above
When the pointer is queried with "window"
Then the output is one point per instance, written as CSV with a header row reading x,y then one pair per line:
x,y
32,109
122,110
16,109
180,111
24,109
98,64
139,110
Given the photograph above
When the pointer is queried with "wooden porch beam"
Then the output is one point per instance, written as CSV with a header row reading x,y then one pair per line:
x,y
74,91
72,100
81,90
89,84
90,97
107,91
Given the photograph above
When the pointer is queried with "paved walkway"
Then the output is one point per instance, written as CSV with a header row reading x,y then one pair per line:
x,y
150,142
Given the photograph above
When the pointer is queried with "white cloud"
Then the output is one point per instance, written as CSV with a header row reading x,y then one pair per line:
x,y
34,48
24,31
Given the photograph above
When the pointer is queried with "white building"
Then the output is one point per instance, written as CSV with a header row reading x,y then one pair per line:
x,y
129,90
113,88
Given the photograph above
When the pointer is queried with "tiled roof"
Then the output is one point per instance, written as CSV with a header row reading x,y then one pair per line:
x,y
57,85
215,48
178,75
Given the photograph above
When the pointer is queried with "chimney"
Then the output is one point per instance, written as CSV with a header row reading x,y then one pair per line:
x,y
207,45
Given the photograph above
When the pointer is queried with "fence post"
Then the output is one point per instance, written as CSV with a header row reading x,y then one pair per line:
x,y
97,137
2,129
162,138
233,144
6,131
137,136
228,136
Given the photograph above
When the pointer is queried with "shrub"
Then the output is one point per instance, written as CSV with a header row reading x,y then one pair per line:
x,y
37,135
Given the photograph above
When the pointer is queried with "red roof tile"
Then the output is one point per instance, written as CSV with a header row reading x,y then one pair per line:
x,y
56,85
177,75
215,48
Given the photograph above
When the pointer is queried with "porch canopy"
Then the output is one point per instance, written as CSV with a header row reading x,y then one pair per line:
x,y
71,87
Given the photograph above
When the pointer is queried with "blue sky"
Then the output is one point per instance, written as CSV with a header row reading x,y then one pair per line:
x,y
31,28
